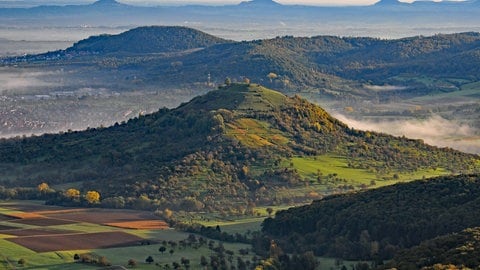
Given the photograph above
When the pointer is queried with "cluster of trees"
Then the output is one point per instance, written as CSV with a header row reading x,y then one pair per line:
x,y
43,191
375,224
215,233
277,259
90,258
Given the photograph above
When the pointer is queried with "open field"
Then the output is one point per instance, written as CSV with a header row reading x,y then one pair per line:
x,y
42,221
6,217
140,225
48,236
32,232
338,166
100,216
116,235
45,243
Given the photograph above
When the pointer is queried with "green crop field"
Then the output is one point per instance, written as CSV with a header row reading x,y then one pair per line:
x,y
120,256
329,165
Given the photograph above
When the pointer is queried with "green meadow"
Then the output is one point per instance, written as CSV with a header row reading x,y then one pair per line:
x,y
333,166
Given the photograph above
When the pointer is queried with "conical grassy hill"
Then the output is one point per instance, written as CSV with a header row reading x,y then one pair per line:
x,y
239,145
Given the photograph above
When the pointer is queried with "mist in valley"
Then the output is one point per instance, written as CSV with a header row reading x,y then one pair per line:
x,y
48,101
435,130
37,101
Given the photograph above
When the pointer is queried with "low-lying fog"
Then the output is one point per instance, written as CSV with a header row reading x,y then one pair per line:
x,y
435,131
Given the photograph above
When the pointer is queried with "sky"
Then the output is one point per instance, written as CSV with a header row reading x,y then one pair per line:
x,y
30,3
303,2
205,2
286,2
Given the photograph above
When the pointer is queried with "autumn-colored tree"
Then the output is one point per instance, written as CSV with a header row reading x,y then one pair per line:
x,y
92,197
275,250
244,172
103,261
132,263
167,213
72,193
43,187
272,76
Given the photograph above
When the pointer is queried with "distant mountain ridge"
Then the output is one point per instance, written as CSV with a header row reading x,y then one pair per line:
x,y
106,2
260,3
177,14
389,2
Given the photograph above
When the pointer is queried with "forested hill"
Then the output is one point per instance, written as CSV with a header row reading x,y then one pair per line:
x,y
453,251
152,39
229,147
145,40
375,224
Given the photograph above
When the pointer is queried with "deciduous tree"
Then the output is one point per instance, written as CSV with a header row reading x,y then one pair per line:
x,y
72,193
149,260
43,187
92,197
132,263
272,76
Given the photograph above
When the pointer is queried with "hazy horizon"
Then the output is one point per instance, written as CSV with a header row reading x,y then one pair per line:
x,y
20,3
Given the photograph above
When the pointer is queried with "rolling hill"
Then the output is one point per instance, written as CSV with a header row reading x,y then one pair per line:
x,y
237,145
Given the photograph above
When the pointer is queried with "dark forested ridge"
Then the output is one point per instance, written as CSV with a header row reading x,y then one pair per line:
x,y
375,224
459,250
229,147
